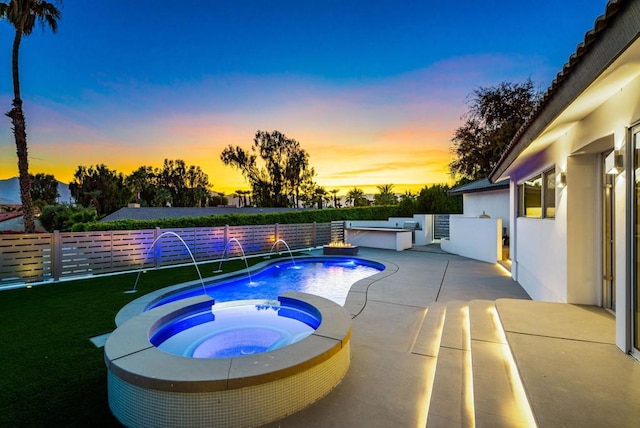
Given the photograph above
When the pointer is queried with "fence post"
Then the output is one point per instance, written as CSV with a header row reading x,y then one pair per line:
x,y
56,255
156,254
111,249
315,235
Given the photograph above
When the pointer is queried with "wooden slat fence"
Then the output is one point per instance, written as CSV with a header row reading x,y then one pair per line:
x,y
27,258
298,238
254,239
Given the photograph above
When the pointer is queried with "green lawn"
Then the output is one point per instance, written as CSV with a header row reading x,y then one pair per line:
x,y
50,373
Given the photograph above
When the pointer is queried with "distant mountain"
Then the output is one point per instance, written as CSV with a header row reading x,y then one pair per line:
x,y
10,192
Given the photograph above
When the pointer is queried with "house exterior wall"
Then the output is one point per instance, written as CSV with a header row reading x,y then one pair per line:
x,y
584,230
560,260
495,203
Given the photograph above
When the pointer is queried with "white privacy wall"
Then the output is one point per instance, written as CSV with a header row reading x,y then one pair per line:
x,y
494,203
475,238
541,259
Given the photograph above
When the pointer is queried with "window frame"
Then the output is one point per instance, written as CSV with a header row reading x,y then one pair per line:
x,y
547,194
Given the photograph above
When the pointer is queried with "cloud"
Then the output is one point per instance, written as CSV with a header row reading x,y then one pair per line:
x,y
383,130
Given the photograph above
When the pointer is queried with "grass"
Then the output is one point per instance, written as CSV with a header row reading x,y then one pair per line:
x,y
50,373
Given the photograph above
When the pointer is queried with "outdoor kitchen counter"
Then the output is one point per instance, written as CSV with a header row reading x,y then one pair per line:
x,y
379,237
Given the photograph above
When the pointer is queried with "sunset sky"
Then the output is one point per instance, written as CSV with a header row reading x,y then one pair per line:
x,y
373,90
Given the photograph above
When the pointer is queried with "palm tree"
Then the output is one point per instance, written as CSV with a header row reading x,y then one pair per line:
x,y
242,197
408,195
334,192
355,197
22,15
386,195
235,195
319,195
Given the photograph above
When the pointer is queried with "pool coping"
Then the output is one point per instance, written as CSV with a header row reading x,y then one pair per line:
x,y
130,355
354,303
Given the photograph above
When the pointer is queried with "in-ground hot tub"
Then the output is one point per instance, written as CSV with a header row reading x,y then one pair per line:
x,y
149,386
234,329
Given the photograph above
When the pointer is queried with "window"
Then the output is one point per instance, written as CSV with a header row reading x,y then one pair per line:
x,y
537,196
531,197
549,198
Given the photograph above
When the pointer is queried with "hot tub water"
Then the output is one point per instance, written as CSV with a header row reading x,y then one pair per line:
x,y
234,329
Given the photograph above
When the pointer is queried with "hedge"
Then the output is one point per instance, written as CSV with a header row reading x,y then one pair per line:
x,y
293,217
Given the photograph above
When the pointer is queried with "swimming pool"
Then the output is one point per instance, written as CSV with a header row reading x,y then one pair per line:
x,y
328,277
199,383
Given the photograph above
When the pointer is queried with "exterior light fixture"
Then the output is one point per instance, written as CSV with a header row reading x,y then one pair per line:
x,y
614,163
563,179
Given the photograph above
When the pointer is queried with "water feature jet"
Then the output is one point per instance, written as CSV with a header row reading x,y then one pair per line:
x,y
268,256
244,257
134,289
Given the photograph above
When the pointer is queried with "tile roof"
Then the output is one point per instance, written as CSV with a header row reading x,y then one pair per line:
x,y
483,185
602,22
4,216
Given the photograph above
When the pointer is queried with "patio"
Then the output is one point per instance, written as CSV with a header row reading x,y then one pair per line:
x,y
429,346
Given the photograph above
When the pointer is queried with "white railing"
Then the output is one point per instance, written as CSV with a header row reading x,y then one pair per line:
x,y
29,258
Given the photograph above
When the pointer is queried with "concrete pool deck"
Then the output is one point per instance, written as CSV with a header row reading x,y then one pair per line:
x,y
432,344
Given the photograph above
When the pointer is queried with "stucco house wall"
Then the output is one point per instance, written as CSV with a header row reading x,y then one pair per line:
x,y
494,203
559,259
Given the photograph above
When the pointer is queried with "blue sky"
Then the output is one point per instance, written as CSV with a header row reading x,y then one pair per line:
x,y
372,90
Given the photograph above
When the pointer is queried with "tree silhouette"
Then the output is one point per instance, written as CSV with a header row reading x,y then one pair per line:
x,y
23,15
495,115
101,188
44,189
356,198
385,195
334,195
283,169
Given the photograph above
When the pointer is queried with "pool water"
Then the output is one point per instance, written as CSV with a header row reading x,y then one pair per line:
x,y
330,278
227,330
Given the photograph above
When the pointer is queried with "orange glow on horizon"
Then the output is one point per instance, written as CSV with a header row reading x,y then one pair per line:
x,y
409,158
366,135
227,180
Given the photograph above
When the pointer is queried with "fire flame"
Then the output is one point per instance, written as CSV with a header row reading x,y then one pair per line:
x,y
339,244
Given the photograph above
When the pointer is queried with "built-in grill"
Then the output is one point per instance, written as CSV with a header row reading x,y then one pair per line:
x,y
413,226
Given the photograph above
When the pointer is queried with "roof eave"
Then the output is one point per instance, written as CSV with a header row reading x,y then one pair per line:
x,y
602,45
